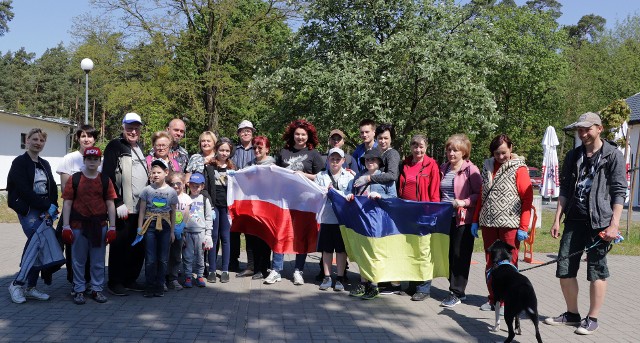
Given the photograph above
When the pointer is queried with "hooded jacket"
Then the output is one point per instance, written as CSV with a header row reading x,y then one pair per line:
x,y
467,186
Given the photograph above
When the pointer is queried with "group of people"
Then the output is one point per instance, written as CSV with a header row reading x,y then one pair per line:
x,y
168,212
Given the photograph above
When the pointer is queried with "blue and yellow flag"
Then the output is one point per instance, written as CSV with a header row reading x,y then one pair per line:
x,y
394,239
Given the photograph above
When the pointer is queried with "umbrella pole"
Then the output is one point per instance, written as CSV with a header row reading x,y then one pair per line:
x,y
633,187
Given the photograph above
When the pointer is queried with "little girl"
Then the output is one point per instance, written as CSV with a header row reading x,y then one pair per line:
x,y
216,186
156,222
177,181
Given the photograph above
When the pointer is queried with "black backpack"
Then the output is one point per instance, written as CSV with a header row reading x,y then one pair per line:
x,y
75,182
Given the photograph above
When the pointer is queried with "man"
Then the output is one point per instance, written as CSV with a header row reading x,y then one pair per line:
x,y
243,155
336,140
177,129
125,165
592,191
367,135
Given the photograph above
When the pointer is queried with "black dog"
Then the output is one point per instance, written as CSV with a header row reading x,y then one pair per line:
x,y
511,287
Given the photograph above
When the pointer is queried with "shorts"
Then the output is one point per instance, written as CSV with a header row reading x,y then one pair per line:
x,y
578,235
330,239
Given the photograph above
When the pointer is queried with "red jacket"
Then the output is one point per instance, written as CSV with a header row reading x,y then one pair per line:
x,y
428,185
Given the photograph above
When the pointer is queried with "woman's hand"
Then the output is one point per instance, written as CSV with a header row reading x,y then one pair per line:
x,y
349,197
374,195
458,203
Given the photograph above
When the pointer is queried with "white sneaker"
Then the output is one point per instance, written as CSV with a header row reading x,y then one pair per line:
x,y
273,277
326,283
338,287
176,285
33,293
297,278
17,293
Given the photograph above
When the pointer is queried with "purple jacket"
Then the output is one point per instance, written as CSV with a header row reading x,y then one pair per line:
x,y
466,186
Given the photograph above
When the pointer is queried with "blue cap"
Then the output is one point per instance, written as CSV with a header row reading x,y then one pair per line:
x,y
196,178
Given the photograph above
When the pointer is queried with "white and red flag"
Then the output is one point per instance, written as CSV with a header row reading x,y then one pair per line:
x,y
277,205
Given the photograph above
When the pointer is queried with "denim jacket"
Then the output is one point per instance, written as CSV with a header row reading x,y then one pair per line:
x,y
386,190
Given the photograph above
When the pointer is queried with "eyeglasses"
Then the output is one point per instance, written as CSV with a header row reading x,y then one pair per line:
x,y
175,184
132,128
160,146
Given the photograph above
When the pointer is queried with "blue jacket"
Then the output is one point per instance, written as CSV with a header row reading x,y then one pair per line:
x,y
386,190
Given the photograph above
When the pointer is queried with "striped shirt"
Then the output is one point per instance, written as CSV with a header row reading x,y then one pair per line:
x,y
446,186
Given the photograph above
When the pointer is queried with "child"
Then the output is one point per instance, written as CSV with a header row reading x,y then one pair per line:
x,y
85,224
216,186
197,233
157,223
373,162
176,180
330,238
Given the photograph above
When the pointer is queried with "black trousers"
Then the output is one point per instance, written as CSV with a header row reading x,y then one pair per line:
x,y
258,252
460,250
235,252
125,261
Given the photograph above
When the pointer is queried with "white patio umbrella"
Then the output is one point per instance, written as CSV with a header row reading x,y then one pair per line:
x,y
550,174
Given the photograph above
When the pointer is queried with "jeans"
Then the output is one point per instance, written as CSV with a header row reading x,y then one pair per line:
x,y
81,252
175,259
278,262
221,230
424,287
30,224
193,253
157,245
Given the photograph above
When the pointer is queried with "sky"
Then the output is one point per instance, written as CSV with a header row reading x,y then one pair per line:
x,y
41,24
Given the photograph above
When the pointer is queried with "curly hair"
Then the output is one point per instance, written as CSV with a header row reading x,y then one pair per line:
x,y
312,133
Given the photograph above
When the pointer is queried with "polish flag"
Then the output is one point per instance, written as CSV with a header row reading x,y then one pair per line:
x,y
277,205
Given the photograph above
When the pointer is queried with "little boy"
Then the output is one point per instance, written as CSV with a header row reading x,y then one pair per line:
x,y
84,227
330,238
157,223
373,162
197,233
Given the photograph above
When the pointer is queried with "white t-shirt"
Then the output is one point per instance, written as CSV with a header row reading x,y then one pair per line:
x,y
72,163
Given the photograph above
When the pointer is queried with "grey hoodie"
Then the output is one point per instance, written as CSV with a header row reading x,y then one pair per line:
x,y
609,184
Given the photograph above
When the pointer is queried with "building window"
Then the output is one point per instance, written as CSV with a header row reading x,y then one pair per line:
x,y
23,138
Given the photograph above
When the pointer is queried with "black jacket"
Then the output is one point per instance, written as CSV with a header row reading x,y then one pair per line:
x,y
20,194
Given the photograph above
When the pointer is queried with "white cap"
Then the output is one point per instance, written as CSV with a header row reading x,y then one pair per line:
x,y
245,124
131,118
336,151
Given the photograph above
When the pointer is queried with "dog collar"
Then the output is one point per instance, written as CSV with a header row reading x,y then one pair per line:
x,y
503,262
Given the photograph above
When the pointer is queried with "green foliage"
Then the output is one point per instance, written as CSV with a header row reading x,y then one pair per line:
x,y
6,15
616,113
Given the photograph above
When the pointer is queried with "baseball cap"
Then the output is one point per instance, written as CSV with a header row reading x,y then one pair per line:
x,y
336,132
160,163
245,124
336,151
131,118
586,120
373,153
92,151
196,178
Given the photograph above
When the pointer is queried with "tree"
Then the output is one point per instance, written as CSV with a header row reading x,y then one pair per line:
x,y
17,83
6,15
551,7
589,27
54,94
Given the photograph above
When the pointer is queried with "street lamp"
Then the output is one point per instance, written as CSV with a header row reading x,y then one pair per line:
x,y
86,65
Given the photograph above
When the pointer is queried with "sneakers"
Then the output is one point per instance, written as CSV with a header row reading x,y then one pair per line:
x,y
326,283
211,277
99,297
358,291
257,276
451,300
566,318
338,287
488,307
201,282
17,293
587,327
148,293
78,299
188,283
297,278
33,293
419,296
273,277
118,290
391,289
176,285
224,277
372,293
134,286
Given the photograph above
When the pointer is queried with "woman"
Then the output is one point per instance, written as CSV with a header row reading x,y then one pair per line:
x,y
207,155
419,181
72,163
216,186
162,141
298,154
504,207
256,246
33,194
460,185
385,134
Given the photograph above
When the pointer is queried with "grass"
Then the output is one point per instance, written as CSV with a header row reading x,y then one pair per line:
x,y
544,243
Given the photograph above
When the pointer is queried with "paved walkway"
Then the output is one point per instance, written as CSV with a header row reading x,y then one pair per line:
x,y
248,311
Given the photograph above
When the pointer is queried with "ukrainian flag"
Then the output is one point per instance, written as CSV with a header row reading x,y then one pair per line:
x,y
394,239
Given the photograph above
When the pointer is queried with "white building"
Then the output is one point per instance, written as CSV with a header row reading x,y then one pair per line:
x,y
13,130
634,133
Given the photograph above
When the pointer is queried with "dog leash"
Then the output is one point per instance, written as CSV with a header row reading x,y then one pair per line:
x,y
569,256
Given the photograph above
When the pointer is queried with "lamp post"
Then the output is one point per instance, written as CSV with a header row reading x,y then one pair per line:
x,y
86,65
